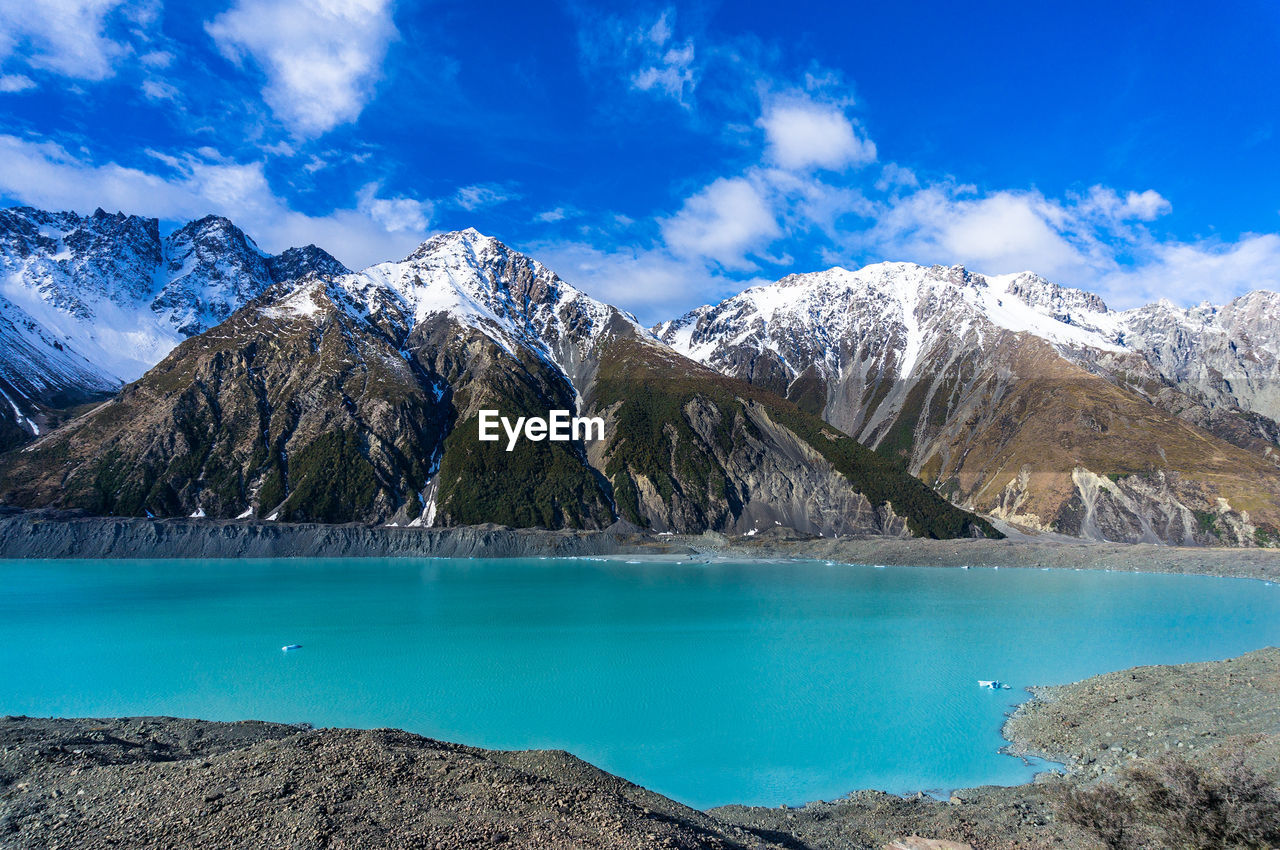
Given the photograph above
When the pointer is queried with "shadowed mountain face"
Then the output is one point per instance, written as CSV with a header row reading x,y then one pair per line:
x,y
1024,400
88,303
357,397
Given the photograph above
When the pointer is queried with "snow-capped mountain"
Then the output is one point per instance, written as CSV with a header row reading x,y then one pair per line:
x,y
357,397
966,376
478,282
88,303
1226,357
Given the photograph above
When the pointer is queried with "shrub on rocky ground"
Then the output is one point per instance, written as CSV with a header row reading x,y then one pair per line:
x,y
1172,802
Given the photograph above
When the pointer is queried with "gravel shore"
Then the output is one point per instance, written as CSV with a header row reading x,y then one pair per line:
x,y
169,783
44,534
1103,723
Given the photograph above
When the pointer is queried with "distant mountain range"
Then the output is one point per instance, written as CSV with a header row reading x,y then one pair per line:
x,y
341,397
286,387
88,303
1023,400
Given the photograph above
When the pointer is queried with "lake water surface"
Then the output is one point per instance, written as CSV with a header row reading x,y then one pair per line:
x,y
758,683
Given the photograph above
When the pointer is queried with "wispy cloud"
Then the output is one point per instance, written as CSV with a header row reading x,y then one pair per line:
x,y
156,59
159,90
641,50
10,83
321,58
665,64
553,215
472,198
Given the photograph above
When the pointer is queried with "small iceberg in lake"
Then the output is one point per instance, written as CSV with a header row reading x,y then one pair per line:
x,y
993,684
290,647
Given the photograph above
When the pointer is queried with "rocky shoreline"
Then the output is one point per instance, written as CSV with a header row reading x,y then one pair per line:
x,y
51,534
1101,724
165,782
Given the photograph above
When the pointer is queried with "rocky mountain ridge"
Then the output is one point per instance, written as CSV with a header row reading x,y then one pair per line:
x,y
355,397
88,303
1033,403
1025,400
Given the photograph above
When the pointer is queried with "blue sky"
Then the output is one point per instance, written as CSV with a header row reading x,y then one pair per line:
x,y
662,156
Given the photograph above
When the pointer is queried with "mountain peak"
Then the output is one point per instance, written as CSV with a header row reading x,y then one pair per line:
x,y
468,239
209,223
297,262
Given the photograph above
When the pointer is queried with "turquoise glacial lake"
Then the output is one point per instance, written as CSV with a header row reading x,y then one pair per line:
x,y
761,683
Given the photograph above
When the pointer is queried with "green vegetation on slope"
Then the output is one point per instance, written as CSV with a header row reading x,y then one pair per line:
x,y
537,484
655,439
542,484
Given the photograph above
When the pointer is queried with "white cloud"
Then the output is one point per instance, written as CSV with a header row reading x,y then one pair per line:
x,y
1190,272
322,58
280,148
1141,206
376,229
723,222
396,215
894,176
549,216
805,134
664,65
1001,232
10,83
67,37
648,281
157,59
472,198
670,72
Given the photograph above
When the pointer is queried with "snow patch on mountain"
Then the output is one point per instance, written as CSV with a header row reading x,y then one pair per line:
x,y
1027,303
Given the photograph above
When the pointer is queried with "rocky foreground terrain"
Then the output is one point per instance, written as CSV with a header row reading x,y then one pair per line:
x,y
164,782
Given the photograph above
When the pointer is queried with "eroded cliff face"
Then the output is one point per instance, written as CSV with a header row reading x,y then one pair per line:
x,y
1048,446
1155,508
753,474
